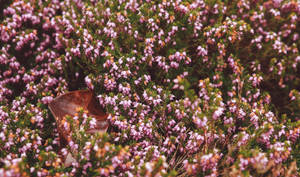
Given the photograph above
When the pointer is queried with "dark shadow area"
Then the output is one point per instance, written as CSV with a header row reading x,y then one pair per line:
x,y
3,5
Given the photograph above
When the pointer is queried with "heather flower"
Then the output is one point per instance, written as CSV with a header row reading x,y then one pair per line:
x,y
190,87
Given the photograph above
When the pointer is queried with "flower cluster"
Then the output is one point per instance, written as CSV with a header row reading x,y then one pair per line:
x,y
199,88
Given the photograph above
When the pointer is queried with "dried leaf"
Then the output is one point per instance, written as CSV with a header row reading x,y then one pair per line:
x,y
69,103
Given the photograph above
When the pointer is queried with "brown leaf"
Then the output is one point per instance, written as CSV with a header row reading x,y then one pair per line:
x,y
68,104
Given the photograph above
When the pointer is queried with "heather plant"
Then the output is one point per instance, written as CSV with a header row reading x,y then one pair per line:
x,y
192,88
